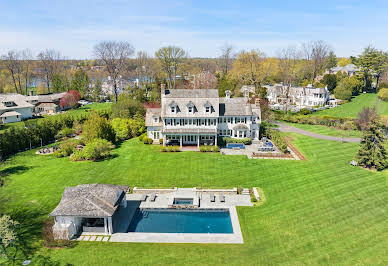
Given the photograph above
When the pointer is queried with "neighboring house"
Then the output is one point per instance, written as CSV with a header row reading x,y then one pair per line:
x,y
198,116
349,69
296,97
88,208
14,108
108,87
46,103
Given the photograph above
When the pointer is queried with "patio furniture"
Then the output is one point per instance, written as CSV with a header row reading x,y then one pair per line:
x,y
153,196
143,197
212,197
222,197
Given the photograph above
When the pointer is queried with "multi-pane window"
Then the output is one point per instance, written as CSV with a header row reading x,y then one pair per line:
x,y
207,109
172,109
191,109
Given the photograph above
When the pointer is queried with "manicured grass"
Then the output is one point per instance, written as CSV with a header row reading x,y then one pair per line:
x,y
352,108
319,211
328,131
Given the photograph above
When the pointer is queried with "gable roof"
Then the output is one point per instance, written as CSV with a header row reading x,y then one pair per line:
x,y
150,114
10,113
90,200
18,99
235,106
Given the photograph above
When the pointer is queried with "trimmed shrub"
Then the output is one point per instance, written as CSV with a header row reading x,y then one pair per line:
x,y
163,149
245,141
278,140
170,148
216,149
161,141
142,136
147,140
383,94
304,111
94,150
176,149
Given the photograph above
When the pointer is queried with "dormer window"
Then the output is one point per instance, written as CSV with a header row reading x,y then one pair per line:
x,y
156,119
207,109
191,109
172,109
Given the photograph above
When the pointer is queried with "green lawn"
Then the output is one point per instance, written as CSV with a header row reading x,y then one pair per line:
x,y
352,108
319,211
328,131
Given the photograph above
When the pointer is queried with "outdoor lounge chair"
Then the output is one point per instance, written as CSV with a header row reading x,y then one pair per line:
x,y
212,197
143,197
222,197
153,196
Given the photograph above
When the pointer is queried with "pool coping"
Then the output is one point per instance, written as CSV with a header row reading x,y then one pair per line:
x,y
235,238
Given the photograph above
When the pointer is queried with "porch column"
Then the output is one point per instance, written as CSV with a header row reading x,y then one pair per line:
x,y
164,140
198,141
180,139
110,227
105,226
215,140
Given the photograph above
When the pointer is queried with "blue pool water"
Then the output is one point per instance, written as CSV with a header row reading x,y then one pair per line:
x,y
181,221
183,201
235,145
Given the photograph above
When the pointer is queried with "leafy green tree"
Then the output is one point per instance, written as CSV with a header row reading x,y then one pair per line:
x,y
59,83
371,153
97,91
331,60
225,83
80,82
8,235
372,62
330,80
347,87
127,107
97,127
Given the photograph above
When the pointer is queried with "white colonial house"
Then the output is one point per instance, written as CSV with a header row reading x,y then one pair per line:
x,y
14,108
198,116
298,97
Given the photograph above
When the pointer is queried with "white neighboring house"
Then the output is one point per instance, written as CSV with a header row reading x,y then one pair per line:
x,y
198,116
14,108
108,88
296,97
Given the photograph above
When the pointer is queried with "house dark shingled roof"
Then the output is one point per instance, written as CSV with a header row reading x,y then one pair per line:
x,y
90,200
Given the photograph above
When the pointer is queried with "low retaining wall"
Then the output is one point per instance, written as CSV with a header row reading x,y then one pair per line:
x,y
232,191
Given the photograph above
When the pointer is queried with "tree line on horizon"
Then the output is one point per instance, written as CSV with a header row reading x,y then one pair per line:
x,y
172,65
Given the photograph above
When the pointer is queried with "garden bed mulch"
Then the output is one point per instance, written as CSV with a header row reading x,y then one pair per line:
x,y
293,149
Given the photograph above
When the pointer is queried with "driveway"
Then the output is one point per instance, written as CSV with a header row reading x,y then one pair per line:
x,y
287,128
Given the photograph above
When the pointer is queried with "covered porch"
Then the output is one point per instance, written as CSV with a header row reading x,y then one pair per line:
x,y
190,137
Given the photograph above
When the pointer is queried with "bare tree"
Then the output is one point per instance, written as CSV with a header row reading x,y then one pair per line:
x,y
171,58
13,63
288,59
114,55
226,58
50,65
27,58
143,64
316,53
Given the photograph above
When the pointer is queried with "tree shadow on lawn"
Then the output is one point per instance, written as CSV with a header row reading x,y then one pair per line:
x,y
11,171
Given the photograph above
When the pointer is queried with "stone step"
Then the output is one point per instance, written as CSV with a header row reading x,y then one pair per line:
x,y
245,191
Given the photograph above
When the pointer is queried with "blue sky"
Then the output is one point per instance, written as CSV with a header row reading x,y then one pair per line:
x,y
200,27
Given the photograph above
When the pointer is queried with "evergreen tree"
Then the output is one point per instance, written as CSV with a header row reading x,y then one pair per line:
x,y
372,153
81,82
331,61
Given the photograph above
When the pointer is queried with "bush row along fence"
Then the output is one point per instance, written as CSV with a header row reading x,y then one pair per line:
x,y
38,132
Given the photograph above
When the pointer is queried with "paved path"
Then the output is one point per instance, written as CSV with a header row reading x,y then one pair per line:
x,y
286,128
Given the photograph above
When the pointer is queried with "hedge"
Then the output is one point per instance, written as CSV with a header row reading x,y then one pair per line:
x,y
277,139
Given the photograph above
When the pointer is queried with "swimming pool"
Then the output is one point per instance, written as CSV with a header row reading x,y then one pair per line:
x,y
235,145
181,221
178,201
